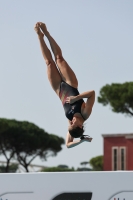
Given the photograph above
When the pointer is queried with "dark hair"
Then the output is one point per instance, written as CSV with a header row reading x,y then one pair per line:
x,y
76,132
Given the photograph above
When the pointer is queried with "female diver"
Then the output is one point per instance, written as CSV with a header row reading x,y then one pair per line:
x,y
64,82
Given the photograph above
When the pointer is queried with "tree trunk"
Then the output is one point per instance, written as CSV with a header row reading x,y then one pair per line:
x,y
7,166
26,168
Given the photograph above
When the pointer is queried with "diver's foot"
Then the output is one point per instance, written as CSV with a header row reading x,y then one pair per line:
x,y
38,30
43,27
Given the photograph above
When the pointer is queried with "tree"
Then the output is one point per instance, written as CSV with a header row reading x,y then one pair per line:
x,y
25,141
84,163
12,168
97,163
84,168
63,166
119,96
57,169
5,147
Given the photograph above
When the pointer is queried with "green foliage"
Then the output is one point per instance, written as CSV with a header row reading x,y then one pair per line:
x,y
57,169
12,168
25,141
118,96
63,166
84,163
84,169
97,163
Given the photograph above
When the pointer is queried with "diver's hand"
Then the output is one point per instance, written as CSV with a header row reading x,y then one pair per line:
x,y
87,139
71,99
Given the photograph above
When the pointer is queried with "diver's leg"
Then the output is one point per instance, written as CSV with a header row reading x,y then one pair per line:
x,y
52,71
66,72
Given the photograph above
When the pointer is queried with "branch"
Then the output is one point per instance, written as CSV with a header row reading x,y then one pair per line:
x,y
20,159
4,152
127,109
25,156
11,155
33,158
49,154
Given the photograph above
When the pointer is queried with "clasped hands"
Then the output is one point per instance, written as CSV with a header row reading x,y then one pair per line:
x,y
71,99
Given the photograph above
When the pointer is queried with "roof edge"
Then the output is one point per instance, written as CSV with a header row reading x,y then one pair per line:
x,y
127,135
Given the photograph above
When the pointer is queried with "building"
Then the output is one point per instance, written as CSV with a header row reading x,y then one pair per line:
x,y
118,152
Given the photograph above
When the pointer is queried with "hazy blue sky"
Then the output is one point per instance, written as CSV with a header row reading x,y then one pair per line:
x,y
96,38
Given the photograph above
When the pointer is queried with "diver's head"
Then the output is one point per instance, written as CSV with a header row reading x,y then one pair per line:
x,y
76,128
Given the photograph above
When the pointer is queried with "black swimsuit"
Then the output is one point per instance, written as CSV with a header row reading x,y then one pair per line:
x,y
70,109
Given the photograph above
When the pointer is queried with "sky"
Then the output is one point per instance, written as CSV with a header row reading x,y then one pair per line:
x,y
96,40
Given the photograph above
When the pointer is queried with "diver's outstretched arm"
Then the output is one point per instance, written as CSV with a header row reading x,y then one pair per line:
x,y
70,143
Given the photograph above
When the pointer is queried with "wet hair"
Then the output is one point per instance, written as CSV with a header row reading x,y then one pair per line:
x,y
76,132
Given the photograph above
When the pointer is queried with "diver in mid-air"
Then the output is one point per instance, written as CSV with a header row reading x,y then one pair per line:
x,y
64,82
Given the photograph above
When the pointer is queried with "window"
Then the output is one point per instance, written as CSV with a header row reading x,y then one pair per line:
x,y
115,158
122,158
118,158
